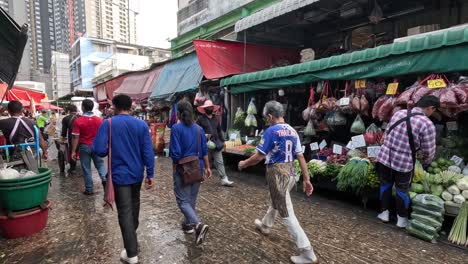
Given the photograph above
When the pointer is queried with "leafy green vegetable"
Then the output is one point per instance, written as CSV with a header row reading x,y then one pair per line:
x,y
417,188
354,175
332,170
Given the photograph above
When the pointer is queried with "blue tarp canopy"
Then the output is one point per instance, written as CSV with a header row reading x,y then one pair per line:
x,y
181,75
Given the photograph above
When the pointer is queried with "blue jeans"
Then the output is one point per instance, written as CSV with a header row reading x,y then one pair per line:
x,y
186,197
86,155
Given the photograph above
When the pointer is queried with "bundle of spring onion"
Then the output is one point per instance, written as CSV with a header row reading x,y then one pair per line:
x,y
458,233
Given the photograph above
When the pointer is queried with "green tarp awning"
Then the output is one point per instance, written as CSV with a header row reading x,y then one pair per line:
x,y
434,53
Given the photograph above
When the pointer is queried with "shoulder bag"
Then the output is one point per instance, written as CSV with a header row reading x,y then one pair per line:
x,y
109,194
190,169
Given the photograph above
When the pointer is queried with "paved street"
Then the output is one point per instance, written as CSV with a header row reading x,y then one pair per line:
x,y
81,230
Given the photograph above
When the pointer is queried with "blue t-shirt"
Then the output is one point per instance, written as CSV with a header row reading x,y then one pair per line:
x,y
184,143
132,149
280,143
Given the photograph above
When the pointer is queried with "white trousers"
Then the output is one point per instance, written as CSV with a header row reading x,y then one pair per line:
x,y
291,222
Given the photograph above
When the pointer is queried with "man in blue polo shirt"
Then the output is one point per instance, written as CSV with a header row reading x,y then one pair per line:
x,y
132,151
279,146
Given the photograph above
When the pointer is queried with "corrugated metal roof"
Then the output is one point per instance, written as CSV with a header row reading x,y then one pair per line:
x,y
417,44
271,12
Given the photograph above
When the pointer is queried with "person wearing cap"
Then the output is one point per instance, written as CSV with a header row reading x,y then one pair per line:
x,y
407,132
212,128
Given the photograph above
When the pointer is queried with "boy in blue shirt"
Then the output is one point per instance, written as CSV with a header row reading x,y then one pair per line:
x,y
279,146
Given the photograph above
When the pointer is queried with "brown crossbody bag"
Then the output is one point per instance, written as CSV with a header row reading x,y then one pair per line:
x,y
190,169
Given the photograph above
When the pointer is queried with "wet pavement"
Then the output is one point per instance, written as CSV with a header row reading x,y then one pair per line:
x,y
81,230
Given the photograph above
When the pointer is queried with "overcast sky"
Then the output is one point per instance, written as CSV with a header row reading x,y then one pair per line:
x,y
156,22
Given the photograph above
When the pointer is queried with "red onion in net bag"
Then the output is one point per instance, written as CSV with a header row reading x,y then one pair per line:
x,y
377,105
406,95
448,97
461,95
386,109
419,93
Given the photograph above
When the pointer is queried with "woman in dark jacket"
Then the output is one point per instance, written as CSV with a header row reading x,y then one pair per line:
x,y
188,139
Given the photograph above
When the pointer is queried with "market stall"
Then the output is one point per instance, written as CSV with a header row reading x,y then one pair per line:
x,y
345,103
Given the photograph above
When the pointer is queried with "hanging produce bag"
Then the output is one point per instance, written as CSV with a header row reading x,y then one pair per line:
x,y
359,104
358,126
309,130
252,109
335,119
307,113
250,121
326,101
344,104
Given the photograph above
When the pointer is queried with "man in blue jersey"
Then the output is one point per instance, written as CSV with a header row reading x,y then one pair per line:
x,y
280,145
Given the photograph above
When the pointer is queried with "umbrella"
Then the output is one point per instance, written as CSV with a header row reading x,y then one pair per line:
x,y
50,106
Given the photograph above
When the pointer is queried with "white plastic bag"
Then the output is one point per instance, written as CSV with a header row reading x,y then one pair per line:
x,y
252,109
250,121
358,126
309,130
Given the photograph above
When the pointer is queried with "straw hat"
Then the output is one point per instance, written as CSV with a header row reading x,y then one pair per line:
x,y
208,103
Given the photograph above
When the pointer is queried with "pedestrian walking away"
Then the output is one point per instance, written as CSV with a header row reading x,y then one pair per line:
x,y
188,140
42,123
408,131
84,131
66,133
212,127
132,152
280,145
18,129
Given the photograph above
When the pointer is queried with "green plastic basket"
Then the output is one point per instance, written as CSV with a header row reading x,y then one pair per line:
x,y
24,197
44,173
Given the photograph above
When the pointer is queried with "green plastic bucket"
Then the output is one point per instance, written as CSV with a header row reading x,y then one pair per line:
x,y
44,173
24,197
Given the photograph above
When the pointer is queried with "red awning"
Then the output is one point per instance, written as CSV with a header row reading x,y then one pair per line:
x,y
47,106
138,85
21,94
223,58
105,91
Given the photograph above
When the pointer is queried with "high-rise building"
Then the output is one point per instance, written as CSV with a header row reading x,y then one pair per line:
x,y
60,72
61,22
104,19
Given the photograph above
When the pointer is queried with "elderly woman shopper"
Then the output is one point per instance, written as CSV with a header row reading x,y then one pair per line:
x,y
190,166
280,145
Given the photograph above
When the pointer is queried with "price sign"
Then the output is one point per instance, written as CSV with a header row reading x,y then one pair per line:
x,y
457,160
358,141
344,101
436,84
323,144
303,149
392,88
372,152
350,145
360,84
314,146
337,149
452,126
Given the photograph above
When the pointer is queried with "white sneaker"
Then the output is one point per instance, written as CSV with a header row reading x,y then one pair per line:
x,y
402,222
226,182
126,259
261,227
307,256
384,216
